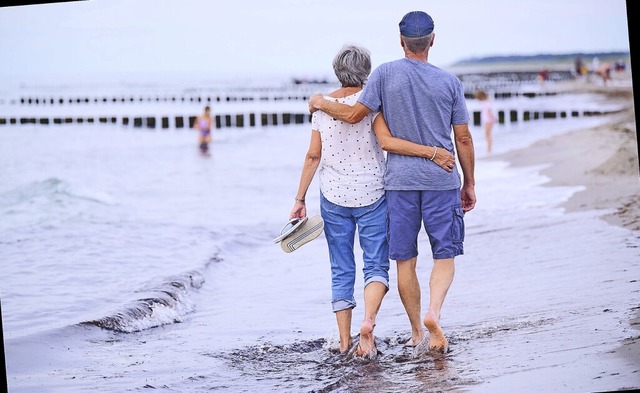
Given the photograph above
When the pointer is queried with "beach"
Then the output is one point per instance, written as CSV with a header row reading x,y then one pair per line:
x,y
603,161
133,263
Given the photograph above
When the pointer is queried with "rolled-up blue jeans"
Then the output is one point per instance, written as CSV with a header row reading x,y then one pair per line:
x,y
340,224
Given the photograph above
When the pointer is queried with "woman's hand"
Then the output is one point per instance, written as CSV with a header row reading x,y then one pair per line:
x,y
445,160
299,210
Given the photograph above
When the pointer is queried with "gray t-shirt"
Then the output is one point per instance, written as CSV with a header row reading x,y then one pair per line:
x,y
420,103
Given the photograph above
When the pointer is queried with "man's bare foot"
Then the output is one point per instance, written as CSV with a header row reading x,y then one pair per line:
x,y
437,340
414,341
367,344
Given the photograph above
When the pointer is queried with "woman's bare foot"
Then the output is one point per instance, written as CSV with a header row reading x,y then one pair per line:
x,y
367,344
345,348
437,340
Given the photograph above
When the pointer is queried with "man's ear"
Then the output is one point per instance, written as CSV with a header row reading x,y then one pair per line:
x,y
433,39
401,41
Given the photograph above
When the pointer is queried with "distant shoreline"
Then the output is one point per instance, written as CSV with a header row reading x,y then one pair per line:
x,y
604,159
551,62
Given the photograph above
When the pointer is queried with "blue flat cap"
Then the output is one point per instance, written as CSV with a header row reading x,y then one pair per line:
x,y
416,24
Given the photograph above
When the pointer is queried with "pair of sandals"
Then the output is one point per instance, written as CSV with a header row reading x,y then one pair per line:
x,y
298,232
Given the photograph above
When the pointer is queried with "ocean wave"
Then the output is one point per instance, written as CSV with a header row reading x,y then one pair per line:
x,y
163,304
52,189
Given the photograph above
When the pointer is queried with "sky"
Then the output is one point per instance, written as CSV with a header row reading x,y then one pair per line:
x,y
286,37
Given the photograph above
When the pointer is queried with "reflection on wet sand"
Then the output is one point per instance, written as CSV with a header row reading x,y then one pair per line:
x,y
316,366
312,366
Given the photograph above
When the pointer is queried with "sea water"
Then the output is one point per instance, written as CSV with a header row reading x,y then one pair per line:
x,y
129,261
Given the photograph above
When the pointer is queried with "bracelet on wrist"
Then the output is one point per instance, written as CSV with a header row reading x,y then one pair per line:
x,y
299,199
435,151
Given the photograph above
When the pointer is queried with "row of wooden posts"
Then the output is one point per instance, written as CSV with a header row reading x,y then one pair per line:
x,y
501,83
50,101
513,116
266,119
157,99
227,120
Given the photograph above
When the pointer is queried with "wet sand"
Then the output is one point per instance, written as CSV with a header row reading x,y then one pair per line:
x,y
604,160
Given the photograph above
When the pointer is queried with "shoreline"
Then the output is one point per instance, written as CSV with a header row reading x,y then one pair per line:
x,y
604,160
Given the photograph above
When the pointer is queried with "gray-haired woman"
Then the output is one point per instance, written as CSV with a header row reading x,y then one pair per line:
x,y
352,165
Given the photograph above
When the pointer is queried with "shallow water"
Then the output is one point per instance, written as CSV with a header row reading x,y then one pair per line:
x,y
131,262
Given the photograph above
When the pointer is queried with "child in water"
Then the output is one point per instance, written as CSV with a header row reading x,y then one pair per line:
x,y
203,125
487,117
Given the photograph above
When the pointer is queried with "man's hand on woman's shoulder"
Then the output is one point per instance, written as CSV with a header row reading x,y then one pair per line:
x,y
314,101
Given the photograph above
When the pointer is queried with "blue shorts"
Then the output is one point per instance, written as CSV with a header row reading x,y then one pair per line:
x,y
439,211
340,224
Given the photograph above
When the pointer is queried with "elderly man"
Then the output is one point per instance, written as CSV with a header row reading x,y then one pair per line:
x,y
421,103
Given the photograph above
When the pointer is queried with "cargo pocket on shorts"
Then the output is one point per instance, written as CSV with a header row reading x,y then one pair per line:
x,y
457,229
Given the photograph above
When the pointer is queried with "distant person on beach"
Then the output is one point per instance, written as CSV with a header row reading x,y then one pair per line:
x,y
595,64
542,77
203,125
352,198
604,72
578,64
421,103
581,70
487,117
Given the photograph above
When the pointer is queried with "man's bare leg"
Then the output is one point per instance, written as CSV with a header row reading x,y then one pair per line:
x,y
373,294
343,317
439,283
409,289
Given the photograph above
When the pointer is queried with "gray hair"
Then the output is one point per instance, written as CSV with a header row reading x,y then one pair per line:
x,y
352,66
417,44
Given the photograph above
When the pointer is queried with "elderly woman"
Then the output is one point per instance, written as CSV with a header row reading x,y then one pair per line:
x,y
352,166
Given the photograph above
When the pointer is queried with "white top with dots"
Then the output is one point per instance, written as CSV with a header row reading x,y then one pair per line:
x,y
353,163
